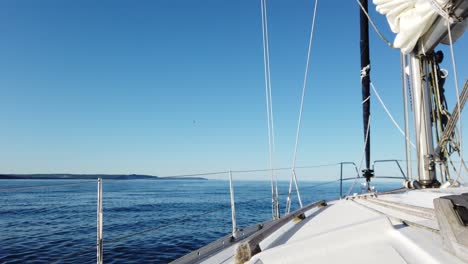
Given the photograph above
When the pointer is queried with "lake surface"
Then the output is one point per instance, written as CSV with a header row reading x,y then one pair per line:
x,y
145,221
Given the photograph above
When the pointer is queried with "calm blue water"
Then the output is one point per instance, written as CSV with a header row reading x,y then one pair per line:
x,y
145,221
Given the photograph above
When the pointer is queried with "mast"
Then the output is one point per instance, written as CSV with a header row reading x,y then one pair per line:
x,y
365,82
422,122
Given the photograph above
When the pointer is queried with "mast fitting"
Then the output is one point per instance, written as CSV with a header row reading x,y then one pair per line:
x,y
368,174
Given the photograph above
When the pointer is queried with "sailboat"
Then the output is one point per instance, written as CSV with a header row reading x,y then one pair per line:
x,y
426,221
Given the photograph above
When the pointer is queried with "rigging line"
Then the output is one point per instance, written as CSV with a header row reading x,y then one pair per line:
x,y
304,86
318,185
317,166
287,168
266,63
274,176
273,141
391,116
363,156
301,109
455,77
454,168
244,171
266,88
466,169
382,37
462,165
263,198
195,174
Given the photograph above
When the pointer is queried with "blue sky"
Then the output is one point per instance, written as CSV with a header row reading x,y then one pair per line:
x,y
171,87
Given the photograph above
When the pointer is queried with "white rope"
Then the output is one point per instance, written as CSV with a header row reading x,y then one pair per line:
x,y
464,165
454,65
267,44
362,158
299,122
365,71
391,116
304,86
273,141
365,100
459,178
382,37
266,63
445,13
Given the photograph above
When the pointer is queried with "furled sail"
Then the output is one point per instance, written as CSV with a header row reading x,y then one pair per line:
x,y
410,19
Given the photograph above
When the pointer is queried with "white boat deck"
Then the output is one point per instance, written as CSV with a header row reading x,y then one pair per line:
x,y
391,228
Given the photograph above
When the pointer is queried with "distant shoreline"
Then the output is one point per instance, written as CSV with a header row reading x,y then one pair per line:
x,y
90,177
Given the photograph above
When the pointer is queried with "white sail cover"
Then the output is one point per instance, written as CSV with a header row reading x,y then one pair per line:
x,y
409,19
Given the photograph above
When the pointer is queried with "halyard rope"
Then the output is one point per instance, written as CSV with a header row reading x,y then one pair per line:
x,y
391,116
299,122
382,37
363,155
269,105
455,78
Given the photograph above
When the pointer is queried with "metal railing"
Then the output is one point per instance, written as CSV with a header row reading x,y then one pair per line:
x,y
341,174
391,160
403,175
